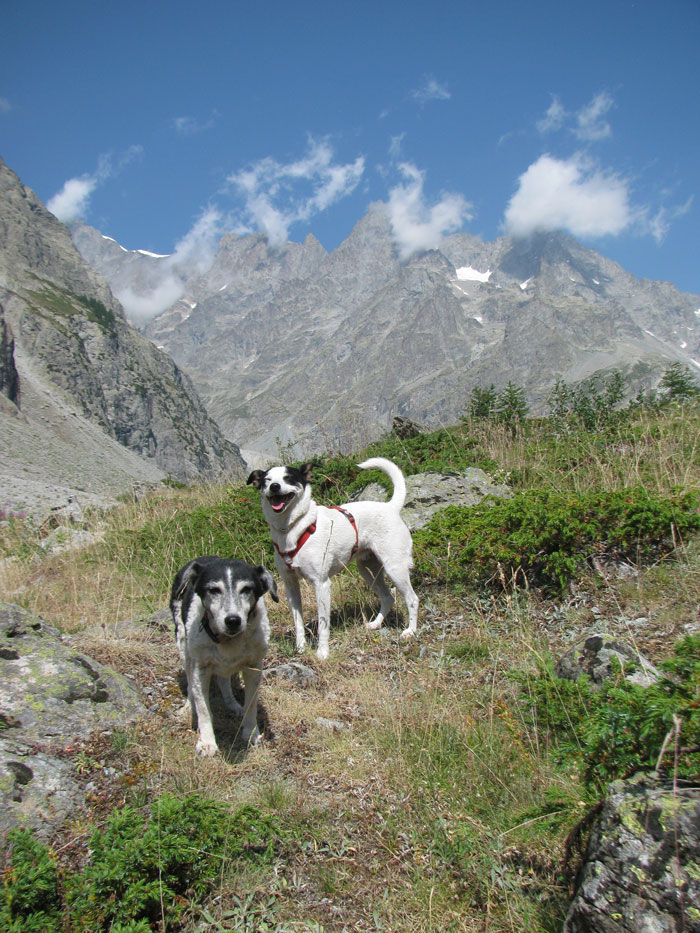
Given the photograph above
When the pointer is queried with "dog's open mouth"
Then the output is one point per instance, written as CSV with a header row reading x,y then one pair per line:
x,y
280,503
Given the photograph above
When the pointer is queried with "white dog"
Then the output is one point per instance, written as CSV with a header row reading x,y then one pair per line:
x,y
317,542
221,628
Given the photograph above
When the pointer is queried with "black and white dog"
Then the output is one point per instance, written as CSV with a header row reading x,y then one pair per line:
x,y
316,542
221,628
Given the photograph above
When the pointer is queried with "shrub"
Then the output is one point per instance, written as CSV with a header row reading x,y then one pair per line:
x,y
545,538
29,897
139,869
620,728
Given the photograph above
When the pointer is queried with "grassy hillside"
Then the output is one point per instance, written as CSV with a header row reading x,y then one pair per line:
x,y
415,786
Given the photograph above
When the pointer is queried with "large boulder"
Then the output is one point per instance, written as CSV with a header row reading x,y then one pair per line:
x,y
427,493
50,696
641,873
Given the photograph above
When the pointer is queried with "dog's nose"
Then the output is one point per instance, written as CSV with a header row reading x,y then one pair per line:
x,y
233,623
274,488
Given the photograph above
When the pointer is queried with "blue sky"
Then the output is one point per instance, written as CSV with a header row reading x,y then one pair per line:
x,y
166,124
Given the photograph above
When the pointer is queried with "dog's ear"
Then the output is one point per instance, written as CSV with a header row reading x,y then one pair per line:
x,y
189,577
268,582
306,470
256,478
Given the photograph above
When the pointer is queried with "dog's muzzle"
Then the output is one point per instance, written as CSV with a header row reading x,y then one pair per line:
x,y
233,624
279,502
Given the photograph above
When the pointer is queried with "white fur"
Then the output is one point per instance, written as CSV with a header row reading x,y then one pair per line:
x,y
384,544
218,590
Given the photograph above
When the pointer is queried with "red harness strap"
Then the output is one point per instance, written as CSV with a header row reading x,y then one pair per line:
x,y
288,556
351,518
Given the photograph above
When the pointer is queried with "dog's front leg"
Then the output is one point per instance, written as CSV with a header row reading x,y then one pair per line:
x,y
293,591
249,727
199,695
323,604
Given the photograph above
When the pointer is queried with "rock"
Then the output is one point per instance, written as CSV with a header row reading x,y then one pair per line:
x,y
594,657
331,725
641,872
427,493
299,674
405,428
50,696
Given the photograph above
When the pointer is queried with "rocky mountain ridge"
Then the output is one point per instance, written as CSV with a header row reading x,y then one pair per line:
x,y
298,345
89,407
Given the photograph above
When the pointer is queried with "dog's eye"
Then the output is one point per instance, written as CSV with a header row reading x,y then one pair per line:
x,y
246,590
214,590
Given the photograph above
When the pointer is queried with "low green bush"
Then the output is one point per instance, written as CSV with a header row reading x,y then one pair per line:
x,y
544,538
619,728
140,868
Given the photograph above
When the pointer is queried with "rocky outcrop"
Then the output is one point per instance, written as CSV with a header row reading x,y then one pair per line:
x,y
600,656
427,493
642,866
50,696
69,357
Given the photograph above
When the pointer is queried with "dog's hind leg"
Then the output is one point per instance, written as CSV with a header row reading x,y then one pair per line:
x,y
370,569
249,727
399,576
230,702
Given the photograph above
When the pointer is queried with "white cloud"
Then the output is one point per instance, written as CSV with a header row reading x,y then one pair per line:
x,y
140,308
71,202
554,118
194,252
191,126
571,194
416,225
278,195
659,223
590,125
199,245
431,89
5,105
587,124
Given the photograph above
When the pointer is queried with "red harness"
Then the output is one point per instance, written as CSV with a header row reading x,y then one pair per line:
x,y
288,556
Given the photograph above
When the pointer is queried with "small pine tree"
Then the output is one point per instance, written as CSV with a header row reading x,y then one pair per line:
x,y
511,407
482,403
679,383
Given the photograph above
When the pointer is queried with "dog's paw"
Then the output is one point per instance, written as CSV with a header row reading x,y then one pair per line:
x,y
206,749
406,634
253,737
374,624
322,652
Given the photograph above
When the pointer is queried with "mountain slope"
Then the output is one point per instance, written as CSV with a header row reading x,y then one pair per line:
x,y
325,349
88,404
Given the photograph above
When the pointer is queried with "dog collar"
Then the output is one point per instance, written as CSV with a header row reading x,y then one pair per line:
x,y
207,628
288,556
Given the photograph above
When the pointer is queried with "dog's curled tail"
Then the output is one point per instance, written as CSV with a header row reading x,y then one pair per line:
x,y
395,475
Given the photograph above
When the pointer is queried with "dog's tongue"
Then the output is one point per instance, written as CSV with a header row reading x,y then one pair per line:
x,y
277,503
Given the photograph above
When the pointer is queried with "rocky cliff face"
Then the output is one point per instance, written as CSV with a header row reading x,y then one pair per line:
x,y
89,405
325,349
